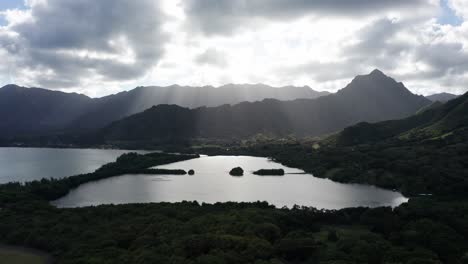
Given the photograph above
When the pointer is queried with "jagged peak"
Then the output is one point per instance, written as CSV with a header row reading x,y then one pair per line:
x,y
377,72
375,75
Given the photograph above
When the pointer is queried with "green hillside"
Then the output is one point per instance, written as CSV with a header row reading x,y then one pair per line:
x,y
449,120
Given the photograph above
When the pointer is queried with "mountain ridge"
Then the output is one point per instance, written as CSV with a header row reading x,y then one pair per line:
x,y
442,97
32,111
36,110
440,120
301,117
143,97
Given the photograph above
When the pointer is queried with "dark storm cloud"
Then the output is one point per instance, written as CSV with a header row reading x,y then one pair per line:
x,y
101,30
224,16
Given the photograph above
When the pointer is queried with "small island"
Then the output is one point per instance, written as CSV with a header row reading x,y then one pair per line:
x,y
191,172
269,172
237,171
162,172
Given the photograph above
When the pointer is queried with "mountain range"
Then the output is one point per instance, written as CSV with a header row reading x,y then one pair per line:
x,y
115,107
441,97
373,97
32,111
179,112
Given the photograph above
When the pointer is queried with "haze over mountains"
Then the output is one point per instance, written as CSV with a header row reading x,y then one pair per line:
x,y
373,97
26,111
442,97
114,107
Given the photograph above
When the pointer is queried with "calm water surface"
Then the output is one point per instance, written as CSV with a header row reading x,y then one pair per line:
x,y
27,164
212,183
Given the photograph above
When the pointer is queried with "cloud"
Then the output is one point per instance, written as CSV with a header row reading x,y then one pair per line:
x,y
372,46
99,47
212,57
460,7
444,59
224,17
63,43
427,56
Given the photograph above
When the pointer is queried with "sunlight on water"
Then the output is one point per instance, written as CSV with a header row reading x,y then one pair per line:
x,y
212,183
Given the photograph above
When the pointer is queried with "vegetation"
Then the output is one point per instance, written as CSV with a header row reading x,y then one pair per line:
x,y
425,154
422,231
433,167
237,171
162,171
13,255
278,172
425,230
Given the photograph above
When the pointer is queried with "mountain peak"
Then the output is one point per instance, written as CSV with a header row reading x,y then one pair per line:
x,y
374,81
11,87
377,72
378,85
375,76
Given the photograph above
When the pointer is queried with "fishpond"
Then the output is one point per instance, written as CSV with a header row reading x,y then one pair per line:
x,y
212,183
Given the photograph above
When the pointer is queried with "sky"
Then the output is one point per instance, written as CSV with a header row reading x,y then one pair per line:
x,y
106,46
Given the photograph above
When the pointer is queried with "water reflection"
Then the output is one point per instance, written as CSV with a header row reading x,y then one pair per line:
x,y
27,164
212,183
